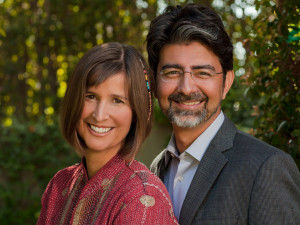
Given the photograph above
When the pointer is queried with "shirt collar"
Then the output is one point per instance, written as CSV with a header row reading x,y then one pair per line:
x,y
199,146
171,150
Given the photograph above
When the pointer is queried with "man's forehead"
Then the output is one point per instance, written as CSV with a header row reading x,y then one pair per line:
x,y
192,54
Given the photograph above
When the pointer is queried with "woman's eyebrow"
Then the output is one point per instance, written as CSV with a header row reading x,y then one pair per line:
x,y
119,96
90,92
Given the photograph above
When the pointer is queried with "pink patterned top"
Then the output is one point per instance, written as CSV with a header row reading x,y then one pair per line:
x,y
118,194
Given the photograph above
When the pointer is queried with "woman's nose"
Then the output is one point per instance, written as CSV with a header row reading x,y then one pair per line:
x,y
101,112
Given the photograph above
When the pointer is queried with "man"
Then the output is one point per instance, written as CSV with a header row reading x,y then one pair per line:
x,y
215,174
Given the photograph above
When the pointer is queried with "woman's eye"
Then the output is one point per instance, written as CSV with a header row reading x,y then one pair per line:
x,y
116,100
90,96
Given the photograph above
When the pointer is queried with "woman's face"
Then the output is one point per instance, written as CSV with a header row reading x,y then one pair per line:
x,y
106,117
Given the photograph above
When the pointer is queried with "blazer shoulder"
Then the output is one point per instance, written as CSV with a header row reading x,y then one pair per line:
x,y
244,144
253,147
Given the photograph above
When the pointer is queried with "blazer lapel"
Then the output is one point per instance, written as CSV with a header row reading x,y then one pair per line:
x,y
158,166
208,170
161,169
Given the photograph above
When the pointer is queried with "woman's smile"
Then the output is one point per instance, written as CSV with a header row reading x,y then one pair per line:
x,y
100,130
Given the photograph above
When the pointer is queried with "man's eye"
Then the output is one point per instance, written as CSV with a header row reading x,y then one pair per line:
x,y
171,73
202,73
174,72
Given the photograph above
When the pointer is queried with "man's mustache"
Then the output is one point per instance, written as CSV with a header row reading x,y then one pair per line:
x,y
180,97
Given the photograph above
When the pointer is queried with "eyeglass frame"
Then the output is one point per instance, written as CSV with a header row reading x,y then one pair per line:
x,y
182,72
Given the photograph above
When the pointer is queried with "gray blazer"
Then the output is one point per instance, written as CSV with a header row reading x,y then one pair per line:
x,y
240,180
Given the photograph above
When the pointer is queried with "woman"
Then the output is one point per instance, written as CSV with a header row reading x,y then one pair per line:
x,y
106,115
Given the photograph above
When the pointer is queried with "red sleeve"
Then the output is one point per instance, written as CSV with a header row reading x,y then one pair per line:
x,y
152,207
45,203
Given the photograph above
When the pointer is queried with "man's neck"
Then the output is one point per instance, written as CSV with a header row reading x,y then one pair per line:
x,y
186,136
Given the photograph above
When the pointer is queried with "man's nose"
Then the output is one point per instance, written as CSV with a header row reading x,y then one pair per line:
x,y
186,84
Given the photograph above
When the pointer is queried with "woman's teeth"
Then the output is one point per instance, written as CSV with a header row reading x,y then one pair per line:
x,y
99,129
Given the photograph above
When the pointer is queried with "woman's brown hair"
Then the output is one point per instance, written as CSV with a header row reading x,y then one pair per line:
x,y
98,64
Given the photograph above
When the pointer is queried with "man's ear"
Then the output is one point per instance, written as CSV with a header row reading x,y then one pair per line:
x,y
228,82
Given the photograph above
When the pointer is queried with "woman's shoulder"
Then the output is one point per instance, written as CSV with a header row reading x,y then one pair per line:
x,y
60,181
67,173
144,182
143,174
145,198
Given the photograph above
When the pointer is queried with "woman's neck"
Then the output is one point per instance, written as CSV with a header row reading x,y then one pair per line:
x,y
96,160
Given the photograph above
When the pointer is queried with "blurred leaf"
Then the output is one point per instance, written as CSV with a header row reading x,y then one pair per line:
x,y
296,133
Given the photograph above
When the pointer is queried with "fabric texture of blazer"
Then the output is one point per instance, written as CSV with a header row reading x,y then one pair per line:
x,y
240,180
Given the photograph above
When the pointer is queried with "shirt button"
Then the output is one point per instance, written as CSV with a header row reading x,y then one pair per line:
x,y
180,178
186,155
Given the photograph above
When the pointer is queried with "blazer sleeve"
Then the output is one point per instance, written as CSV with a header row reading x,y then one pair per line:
x,y
275,197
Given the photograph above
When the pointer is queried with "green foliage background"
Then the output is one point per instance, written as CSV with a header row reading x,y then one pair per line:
x,y
42,40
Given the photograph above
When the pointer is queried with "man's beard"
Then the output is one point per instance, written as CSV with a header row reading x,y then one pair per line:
x,y
189,118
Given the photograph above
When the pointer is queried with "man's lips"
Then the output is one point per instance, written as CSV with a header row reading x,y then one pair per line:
x,y
188,103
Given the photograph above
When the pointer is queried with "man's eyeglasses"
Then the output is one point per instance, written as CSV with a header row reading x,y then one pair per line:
x,y
173,75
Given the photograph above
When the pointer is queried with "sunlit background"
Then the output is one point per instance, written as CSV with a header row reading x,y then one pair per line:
x,y
41,41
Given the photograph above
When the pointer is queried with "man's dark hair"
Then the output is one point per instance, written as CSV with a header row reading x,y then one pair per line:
x,y
192,22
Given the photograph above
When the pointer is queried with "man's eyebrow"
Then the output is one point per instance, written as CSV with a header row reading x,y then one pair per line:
x,y
207,66
178,66
167,66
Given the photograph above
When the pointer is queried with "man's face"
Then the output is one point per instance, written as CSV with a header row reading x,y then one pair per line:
x,y
190,101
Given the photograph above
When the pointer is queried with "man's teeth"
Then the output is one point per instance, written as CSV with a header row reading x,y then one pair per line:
x,y
190,103
99,129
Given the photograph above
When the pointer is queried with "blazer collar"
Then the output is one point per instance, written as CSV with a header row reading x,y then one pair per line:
x,y
208,170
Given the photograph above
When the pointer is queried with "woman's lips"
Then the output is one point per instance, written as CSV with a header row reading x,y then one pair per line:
x,y
100,130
